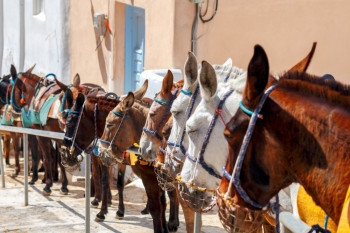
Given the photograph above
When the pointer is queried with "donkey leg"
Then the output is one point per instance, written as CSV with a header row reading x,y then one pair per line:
x,y
96,181
35,158
174,222
100,217
156,202
45,145
16,146
120,188
7,140
54,162
64,190
188,213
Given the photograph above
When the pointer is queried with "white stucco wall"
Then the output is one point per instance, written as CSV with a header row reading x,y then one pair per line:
x,y
41,39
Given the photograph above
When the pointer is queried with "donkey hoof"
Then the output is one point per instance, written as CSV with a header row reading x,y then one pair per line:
x,y
145,211
46,192
14,174
94,203
172,228
119,215
31,182
99,218
64,191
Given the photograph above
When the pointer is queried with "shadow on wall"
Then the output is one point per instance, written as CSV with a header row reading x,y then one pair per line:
x,y
101,60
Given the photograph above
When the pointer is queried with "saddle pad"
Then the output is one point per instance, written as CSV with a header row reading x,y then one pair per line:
x,y
311,213
44,111
32,117
43,95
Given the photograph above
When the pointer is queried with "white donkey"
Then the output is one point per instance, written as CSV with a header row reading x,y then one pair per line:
x,y
207,150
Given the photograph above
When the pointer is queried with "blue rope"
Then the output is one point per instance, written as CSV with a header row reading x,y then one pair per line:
x,y
63,101
50,74
12,96
325,222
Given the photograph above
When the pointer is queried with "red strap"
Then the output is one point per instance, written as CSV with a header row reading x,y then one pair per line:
x,y
218,111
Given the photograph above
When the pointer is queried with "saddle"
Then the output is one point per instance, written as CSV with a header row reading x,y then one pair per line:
x,y
44,93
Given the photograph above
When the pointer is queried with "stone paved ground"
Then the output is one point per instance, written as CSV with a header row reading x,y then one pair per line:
x,y
59,213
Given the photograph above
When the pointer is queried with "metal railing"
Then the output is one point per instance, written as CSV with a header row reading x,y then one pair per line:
x,y
286,218
52,135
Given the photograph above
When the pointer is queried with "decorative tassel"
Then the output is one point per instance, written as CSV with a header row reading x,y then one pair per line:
x,y
22,101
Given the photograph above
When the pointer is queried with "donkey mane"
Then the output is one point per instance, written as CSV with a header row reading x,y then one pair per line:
x,y
332,91
103,103
141,107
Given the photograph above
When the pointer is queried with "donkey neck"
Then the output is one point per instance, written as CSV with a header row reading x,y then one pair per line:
x,y
104,106
316,140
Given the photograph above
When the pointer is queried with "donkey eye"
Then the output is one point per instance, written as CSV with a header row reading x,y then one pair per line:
x,y
175,113
228,134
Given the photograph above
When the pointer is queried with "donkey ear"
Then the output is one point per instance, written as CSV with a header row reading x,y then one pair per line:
x,y
191,69
13,72
304,64
61,85
127,102
168,82
258,73
208,81
30,69
138,94
80,101
76,80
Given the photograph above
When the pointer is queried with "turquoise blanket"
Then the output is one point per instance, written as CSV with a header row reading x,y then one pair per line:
x,y
33,118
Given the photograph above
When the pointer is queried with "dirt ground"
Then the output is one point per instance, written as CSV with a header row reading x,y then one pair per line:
x,y
66,213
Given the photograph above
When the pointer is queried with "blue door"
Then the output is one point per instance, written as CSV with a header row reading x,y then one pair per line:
x,y
134,47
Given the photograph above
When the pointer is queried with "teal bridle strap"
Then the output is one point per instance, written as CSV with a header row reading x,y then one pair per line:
x,y
186,92
118,114
245,110
162,102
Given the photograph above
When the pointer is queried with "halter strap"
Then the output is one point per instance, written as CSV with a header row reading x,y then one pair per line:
x,y
162,102
192,101
234,178
200,160
248,111
111,143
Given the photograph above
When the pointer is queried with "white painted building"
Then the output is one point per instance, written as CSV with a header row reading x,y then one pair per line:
x,y
35,32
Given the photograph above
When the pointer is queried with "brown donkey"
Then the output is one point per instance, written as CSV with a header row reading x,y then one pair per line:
x,y
128,118
299,131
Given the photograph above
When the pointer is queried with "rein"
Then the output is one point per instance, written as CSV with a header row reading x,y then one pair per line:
x,y
200,158
161,102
